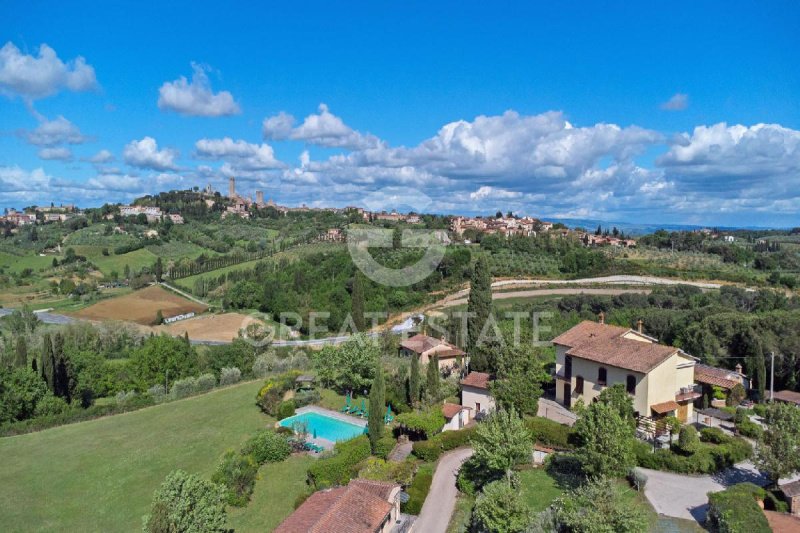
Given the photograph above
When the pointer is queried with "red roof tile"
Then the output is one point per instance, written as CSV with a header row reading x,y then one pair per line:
x,y
715,376
420,343
606,344
449,410
479,380
788,396
360,507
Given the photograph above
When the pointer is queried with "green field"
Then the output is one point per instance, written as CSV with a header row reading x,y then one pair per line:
x,y
100,475
110,263
18,263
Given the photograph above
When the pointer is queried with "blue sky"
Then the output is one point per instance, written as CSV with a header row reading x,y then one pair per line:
x,y
676,112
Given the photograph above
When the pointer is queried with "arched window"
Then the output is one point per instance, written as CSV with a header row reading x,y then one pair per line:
x,y
630,384
579,384
601,376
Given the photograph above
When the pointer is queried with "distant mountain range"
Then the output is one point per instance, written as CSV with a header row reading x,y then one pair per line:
x,y
632,228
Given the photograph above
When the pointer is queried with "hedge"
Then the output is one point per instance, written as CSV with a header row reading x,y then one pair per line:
x,y
267,446
385,446
734,510
342,466
550,433
708,459
418,490
430,450
749,429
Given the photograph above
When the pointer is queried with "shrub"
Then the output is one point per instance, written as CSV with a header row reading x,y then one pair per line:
x,y
205,383
183,388
51,405
637,478
238,474
430,450
267,446
735,509
157,392
418,490
340,467
549,433
713,435
285,409
688,441
229,376
124,397
397,472
750,429
708,459
385,446
271,394
736,395
303,398
185,502
427,450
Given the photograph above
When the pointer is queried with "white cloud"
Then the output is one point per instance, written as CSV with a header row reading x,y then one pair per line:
x,y
196,97
116,182
278,127
145,154
103,156
241,155
678,102
54,132
487,192
15,181
35,77
322,129
56,154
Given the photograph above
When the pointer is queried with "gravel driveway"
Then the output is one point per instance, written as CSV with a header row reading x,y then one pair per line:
x,y
441,501
683,496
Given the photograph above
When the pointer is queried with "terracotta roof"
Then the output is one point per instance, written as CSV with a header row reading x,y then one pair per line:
x,y
449,352
782,522
791,489
420,343
449,410
479,380
788,396
606,344
686,396
664,407
360,507
715,376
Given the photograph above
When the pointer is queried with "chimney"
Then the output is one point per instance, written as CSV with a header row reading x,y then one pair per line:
x,y
739,368
602,317
640,326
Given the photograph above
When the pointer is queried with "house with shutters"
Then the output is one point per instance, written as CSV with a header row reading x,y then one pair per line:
x,y
426,347
594,355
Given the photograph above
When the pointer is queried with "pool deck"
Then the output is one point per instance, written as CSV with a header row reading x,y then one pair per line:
x,y
325,443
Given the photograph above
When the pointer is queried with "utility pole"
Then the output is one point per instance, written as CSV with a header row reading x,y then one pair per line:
x,y
772,377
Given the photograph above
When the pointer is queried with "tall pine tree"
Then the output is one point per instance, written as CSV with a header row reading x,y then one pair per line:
x,y
22,352
358,303
479,305
413,381
432,381
377,405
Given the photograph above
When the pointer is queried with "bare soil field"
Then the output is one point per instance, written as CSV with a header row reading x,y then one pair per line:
x,y
210,328
141,306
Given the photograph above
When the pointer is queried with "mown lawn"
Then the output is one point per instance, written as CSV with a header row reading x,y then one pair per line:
x,y
276,491
539,489
100,475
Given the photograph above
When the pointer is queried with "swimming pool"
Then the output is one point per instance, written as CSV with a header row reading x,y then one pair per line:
x,y
326,427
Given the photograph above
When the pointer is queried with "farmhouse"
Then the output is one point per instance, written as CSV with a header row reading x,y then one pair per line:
x,y
363,506
592,356
475,394
426,347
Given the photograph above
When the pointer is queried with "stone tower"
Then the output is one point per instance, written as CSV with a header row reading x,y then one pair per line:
x,y
232,187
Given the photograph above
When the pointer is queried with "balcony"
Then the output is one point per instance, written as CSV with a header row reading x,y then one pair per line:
x,y
686,394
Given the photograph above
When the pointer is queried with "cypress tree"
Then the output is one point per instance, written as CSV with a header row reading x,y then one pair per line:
x,y
159,270
433,377
48,363
377,404
357,299
22,352
413,381
479,304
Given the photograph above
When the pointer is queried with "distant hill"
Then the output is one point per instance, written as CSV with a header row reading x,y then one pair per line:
x,y
633,228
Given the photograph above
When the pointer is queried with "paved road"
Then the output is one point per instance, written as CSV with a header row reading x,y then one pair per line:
x,y
441,500
47,318
683,496
451,302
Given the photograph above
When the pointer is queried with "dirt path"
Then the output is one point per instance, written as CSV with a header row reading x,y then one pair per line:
x,y
441,500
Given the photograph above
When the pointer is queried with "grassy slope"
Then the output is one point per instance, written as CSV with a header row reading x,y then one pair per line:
x,y
17,263
276,490
108,263
100,475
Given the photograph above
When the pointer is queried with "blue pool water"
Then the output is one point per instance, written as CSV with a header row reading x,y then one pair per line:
x,y
326,427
